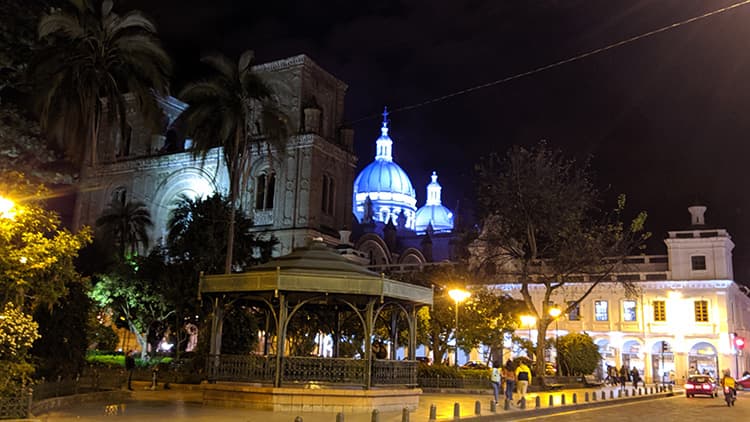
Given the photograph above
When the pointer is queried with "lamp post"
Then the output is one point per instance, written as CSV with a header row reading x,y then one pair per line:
x,y
555,312
458,296
529,320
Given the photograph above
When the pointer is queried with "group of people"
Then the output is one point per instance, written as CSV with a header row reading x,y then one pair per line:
x,y
509,377
623,375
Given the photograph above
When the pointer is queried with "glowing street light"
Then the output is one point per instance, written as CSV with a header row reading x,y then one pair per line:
x,y
458,296
6,208
555,312
528,320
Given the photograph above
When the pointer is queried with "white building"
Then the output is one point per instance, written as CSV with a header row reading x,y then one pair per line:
x,y
685,317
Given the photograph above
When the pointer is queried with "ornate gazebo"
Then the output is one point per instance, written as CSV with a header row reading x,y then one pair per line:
x,y
318,277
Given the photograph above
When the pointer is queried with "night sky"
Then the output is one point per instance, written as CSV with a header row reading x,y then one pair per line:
x,y
664,118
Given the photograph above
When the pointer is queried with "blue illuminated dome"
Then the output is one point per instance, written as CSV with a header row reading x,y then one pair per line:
x,y
433,212
386,184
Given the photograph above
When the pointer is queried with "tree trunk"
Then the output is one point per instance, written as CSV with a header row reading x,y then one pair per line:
x,y
541,342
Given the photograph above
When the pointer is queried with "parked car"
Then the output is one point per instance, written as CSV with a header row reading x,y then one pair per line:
x,y
744,382
701,384
474,364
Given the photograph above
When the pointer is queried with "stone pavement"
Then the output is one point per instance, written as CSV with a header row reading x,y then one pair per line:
x,y
183,404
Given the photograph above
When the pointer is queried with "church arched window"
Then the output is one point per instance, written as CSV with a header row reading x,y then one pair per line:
x,y
329,195
119,195
122,144
264,190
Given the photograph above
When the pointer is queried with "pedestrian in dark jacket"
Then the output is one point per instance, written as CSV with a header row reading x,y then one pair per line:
x,y
130,366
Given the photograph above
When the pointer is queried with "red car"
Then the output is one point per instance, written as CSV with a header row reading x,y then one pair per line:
x,y
743,383
701,384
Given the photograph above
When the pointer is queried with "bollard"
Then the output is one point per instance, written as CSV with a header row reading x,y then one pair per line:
x,y
604,395
551,401
339,417
523,403
586,397
456,411
562,399
405,414
632,394
506,406
477,408
575,398
375,416
670,388
433,413
619,393
538,403
627,393
593,395
298,419
640,391
493,406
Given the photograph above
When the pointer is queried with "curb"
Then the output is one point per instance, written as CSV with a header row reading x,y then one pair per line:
x,y
518,414
46,405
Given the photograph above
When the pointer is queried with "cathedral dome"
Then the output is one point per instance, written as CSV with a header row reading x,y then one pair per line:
x,y
433,213
386,184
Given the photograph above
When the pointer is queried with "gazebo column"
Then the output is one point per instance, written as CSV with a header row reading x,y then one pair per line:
x,y
394,334
217,323
369,325
281,325
412,316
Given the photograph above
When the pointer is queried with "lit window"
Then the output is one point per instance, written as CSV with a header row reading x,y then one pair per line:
x,y
660,311
264,190
601,310
575,312
698,262
701,311
629,311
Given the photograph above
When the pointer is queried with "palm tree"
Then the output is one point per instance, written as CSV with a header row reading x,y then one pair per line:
x,y
230,110
94,61
127,223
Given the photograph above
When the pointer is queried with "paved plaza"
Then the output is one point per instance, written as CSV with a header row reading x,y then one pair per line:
x,y
183,404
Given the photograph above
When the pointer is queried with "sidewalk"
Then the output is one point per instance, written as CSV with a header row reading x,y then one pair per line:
x,y
183,404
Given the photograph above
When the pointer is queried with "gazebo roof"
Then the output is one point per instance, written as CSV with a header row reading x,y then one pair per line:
x,y
315,269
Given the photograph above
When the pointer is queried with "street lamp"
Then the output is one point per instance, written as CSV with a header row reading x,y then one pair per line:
x,y
555,312
6,208
458,296
529,320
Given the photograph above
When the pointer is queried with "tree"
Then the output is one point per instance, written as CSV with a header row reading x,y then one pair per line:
x,y
17,333
36,254
135,300
126,224
579,355
232,110
94,61
198,231
488,318
541,224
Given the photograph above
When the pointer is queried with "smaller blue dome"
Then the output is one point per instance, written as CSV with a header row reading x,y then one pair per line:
x,y
433,212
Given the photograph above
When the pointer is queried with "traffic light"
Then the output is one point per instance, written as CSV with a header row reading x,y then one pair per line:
x,y
739,343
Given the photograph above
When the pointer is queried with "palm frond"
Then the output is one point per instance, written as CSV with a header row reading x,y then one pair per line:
x,y
222,64
134,20
59,23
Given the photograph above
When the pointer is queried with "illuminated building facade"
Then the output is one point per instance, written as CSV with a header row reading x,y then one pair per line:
x,y
296,195
684,318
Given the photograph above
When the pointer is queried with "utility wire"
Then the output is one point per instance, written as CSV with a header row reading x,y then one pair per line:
x,y
559,63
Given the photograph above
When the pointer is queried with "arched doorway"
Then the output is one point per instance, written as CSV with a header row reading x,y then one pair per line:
x,y
608,355
703,359
662,361
632,356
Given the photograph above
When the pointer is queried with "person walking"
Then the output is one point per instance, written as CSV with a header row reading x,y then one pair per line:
x,y
495,379
510,380
523,377
130,367
623,375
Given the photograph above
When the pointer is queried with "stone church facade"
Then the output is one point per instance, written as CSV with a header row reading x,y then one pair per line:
x,y
297,194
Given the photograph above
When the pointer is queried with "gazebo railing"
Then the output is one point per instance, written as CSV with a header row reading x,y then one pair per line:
x,y
394,372
324,370
297,369
241,368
